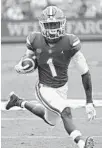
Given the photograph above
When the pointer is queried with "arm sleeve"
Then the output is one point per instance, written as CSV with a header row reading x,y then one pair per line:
x,y
80,62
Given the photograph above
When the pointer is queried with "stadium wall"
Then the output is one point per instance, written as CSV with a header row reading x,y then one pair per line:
x,y
16,31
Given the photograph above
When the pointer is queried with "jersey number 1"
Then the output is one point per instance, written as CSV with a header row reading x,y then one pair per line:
x,y
52,67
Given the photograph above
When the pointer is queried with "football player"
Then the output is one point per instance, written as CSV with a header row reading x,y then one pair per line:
x,y
52,50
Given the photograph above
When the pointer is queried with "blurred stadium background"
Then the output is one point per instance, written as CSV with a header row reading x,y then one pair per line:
x,y
30,9
18,18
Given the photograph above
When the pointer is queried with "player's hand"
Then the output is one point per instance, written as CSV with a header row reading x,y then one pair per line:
x,y
21,69
90,110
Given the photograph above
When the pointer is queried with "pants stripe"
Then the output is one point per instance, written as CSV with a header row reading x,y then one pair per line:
x,y
44,102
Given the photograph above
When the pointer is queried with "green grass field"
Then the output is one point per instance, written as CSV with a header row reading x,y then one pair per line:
x,y
21,129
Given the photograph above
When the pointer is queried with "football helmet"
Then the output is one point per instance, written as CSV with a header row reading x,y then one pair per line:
x,y
52,23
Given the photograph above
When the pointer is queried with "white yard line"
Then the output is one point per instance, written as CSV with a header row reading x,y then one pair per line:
x,y
74,103
36,119
43,137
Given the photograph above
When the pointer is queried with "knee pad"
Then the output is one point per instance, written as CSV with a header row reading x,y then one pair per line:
x,y
66,113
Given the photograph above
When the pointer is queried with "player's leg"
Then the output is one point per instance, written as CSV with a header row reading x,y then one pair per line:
x,y
72,130
34,107
51,116
70,127
54,99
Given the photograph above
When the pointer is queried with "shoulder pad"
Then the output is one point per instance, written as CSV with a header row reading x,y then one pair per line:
x,y
74,43
30,39
74,40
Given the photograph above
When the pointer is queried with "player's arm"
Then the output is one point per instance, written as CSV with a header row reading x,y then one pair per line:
x,y
82,66
30,53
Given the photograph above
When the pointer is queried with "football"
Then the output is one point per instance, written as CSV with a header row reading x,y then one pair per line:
x,y
29,64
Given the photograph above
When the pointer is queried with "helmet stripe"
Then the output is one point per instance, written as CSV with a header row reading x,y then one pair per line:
x,y
50,11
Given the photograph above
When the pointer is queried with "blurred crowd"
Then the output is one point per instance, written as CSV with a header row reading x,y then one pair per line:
x,y
31,9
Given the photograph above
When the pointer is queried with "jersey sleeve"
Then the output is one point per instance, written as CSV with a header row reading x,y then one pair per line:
x,y
75,44
80,63
30,41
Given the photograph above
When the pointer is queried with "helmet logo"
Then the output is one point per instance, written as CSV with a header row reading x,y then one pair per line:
x,y
50,13
50,19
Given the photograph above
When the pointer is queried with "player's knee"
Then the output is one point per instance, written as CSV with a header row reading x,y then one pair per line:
x,y
66,113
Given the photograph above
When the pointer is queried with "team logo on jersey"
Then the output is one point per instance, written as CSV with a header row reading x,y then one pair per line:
x,y
50,51
38,50
62,52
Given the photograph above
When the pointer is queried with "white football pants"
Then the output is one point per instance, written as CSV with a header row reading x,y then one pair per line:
x,y
54,100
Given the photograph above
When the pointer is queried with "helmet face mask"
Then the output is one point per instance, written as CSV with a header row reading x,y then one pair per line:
x,y
52,26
